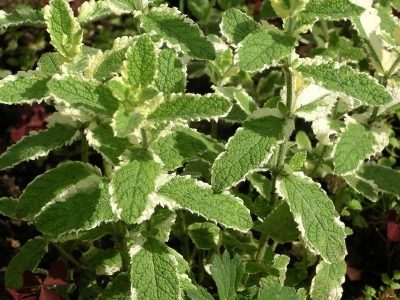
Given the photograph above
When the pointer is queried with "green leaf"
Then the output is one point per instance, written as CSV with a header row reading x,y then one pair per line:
x,y
191,107
174,27
153,266
199,8
355,144
385,179
288,8
21,16
26,259
297,161
275,291
23,88
125,123
261,184
102,261
104,65
327,283
122,6
198,198
362,186
344,79
65,31
140,64
198,293
247,151
118,289
171,75
131,187
101,138
60,218
159,225
204,235
84,94
93,10
227,273
263,49
50,63
280,225
332,10
280,263
236,25
179,144
245,101
8,207
38,144
56,183
315,216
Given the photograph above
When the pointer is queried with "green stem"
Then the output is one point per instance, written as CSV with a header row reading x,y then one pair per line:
x,y
145,142
120,232
182,5
214,129
263,245
283,148
67,256
373,115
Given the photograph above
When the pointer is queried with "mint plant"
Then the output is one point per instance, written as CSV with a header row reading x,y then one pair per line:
x,y
162,176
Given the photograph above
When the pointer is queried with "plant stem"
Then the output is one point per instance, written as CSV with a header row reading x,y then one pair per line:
x,y
67,256
120,231
263,245
374,115
145,142
283,148
182,5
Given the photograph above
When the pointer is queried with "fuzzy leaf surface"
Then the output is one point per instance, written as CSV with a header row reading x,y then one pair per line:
x,y
83,94
111,61
246,151
102,261
131,186
276,291
227,273
102,139
37,144
263,49
51,185
65,31
386,179
26,259
344,79
174,27
182,144
21,16
362,186
140,65
198,198
204,235
60,218
93,10
326,10
354,145
327,283
315,216
236,25
171,75
280,225
23,89
154,273
191,107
